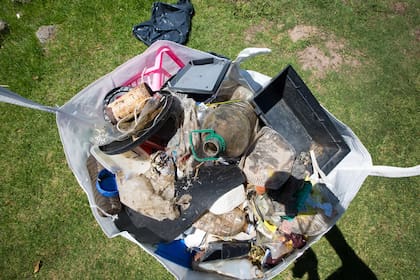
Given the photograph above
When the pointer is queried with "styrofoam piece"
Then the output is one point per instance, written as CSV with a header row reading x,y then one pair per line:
x,y
229,201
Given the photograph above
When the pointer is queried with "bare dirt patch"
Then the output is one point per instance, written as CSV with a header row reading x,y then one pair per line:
x,y
264,27
417,34
252,32
400,7
327,53
335,45
313,58
300,32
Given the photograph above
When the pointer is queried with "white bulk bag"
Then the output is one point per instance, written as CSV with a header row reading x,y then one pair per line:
x,y
80,118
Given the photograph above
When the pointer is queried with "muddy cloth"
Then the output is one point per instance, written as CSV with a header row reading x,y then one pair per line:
x,y
170,22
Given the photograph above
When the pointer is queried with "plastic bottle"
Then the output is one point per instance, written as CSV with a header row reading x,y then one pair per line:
x,y
228,224
278,249
310,225
235,268
235,123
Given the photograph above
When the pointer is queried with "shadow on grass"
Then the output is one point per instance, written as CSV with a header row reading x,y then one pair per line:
x,y
352,266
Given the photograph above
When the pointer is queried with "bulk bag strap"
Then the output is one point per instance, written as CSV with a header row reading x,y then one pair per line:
x,y
10,97
394,172
7,96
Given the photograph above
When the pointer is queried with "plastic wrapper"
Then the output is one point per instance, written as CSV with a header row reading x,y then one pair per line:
x,y
170,22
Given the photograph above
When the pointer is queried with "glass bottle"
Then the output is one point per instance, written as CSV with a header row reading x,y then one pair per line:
x,y
235,123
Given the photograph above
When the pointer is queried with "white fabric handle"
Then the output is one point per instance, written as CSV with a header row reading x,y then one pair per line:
x,y
394,172
250,52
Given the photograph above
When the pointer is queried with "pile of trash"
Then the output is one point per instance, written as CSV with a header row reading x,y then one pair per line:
x,y
196,168
213,170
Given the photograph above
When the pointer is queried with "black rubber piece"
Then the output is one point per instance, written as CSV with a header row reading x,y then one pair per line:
x,y
211,183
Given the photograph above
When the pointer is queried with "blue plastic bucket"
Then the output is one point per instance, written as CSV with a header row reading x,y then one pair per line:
x,y
106,184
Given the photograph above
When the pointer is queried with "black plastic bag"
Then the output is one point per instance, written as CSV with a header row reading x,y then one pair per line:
x,y
168,22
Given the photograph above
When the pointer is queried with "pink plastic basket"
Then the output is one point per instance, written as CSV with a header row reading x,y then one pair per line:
x,y
166,64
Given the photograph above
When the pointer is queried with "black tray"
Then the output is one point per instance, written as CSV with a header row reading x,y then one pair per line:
x,y
288,106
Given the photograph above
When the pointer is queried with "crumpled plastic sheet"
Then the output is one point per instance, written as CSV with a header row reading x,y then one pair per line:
x,y
170,22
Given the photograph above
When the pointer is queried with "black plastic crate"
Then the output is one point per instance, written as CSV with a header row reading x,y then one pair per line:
x,y
288,106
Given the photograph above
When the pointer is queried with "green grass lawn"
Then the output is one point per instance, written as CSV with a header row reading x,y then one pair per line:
x,y
367,73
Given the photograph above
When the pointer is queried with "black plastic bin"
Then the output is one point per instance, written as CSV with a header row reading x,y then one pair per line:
x,y
289,107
